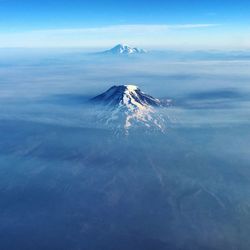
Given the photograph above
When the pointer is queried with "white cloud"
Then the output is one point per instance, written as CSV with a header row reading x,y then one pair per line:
x,y
149,35
132,28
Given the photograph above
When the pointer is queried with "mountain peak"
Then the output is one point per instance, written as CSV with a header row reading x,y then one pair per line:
x,y
125,49
131,107
126,95
131,87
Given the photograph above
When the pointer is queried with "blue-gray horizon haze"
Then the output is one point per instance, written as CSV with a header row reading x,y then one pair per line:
x,y
67,181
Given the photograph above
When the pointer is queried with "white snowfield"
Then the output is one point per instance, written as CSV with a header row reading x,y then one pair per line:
x,y
130,106
125,49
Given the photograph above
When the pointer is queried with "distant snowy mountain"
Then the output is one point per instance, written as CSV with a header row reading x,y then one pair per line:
x,y
126,106
125,50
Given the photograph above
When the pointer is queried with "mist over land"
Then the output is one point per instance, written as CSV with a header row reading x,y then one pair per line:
x,y
68,182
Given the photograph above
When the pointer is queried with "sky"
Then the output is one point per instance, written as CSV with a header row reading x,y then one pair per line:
x,y
99,23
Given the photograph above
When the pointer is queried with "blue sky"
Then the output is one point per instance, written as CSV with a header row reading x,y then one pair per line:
x,y
96,23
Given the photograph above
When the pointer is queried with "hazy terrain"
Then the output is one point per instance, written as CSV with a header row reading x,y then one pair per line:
x,y
67,182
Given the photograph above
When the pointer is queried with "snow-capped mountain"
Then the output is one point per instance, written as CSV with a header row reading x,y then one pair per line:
x,y
125,50
126,107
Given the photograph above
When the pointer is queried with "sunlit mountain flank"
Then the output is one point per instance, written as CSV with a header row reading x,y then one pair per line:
x,y
130,107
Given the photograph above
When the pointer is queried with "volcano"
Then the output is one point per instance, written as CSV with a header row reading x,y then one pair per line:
x,y
127,107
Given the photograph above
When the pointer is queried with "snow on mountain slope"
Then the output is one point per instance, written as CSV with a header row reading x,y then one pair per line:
x,y
126,106
124,49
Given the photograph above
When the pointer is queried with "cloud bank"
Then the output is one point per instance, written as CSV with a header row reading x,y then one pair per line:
x,y
149,35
